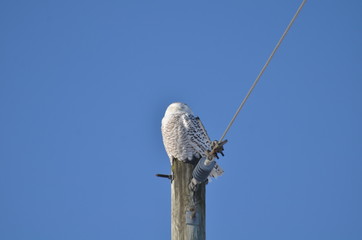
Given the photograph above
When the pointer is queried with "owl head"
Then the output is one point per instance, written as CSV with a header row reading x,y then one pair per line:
x,y
178,107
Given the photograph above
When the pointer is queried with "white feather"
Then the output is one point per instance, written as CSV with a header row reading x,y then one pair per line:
x,y
184,136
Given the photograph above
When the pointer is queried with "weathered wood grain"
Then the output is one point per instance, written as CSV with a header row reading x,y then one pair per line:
x,y
184,200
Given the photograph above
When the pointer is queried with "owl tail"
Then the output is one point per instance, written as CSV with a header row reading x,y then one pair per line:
x,y
216,171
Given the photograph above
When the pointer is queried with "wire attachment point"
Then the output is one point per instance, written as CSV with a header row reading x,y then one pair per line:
x,y
217,147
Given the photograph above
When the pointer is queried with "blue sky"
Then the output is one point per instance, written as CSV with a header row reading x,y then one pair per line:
x,y
84,86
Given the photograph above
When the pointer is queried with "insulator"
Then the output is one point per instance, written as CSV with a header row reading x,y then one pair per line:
x,y
202,171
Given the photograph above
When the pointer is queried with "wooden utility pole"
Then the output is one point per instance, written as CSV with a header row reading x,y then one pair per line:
x,y
187,206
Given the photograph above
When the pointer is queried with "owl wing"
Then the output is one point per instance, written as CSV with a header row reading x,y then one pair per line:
x,y
196,134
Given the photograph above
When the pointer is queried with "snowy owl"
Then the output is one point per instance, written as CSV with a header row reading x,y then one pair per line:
x,y
184,136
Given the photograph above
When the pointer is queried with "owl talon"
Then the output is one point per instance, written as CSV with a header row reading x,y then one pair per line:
x,y
217,147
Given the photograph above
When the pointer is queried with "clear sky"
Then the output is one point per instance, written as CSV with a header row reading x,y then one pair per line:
x,y
84,86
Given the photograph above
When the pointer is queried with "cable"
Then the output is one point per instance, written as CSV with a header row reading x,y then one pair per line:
x,y
263,69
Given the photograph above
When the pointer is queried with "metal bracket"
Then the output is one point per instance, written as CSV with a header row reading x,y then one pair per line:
x,y
194,184
165,176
